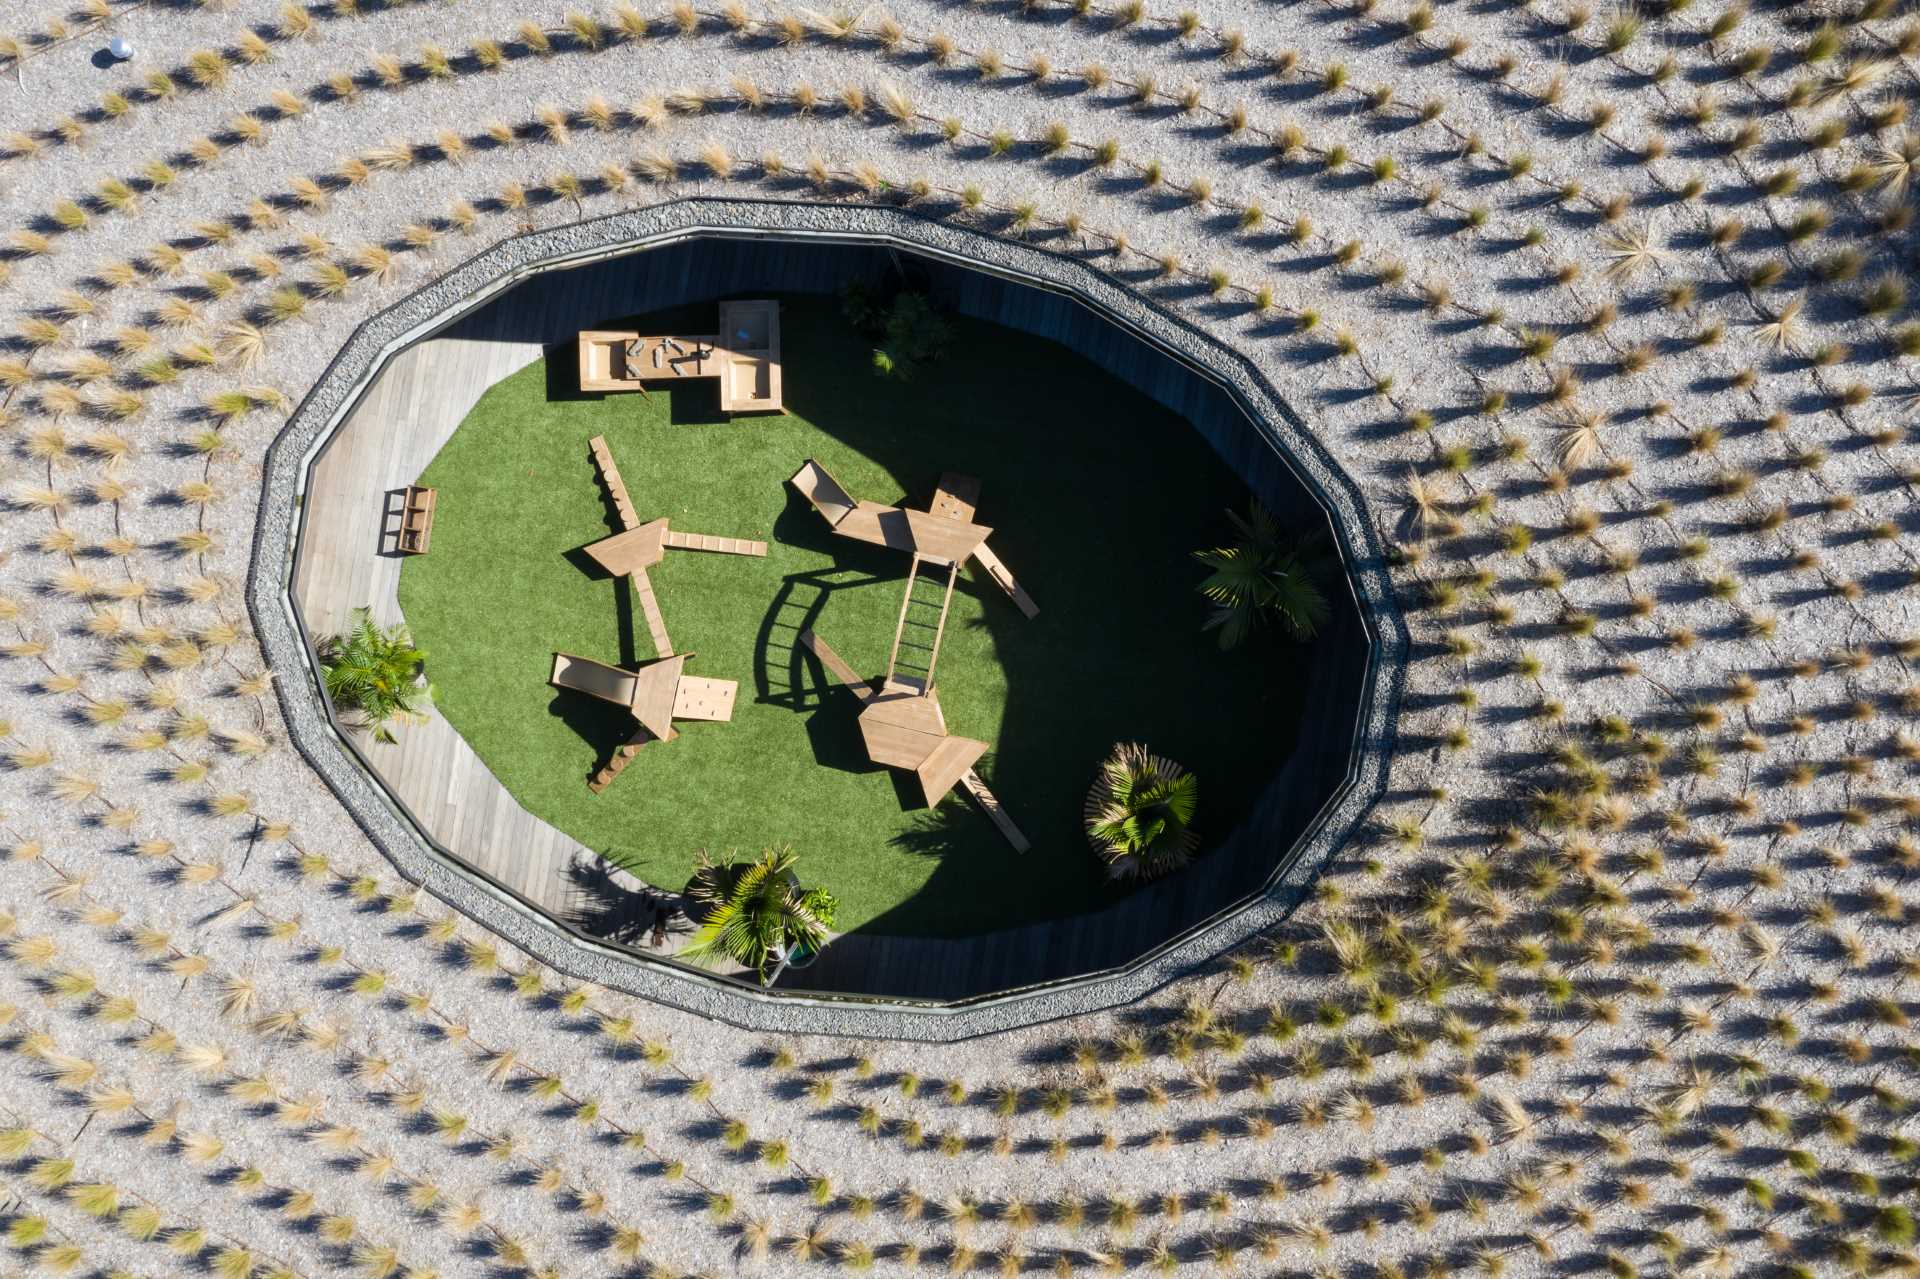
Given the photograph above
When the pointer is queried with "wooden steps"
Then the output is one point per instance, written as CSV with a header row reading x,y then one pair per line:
x,y
616,487
618,764
718,545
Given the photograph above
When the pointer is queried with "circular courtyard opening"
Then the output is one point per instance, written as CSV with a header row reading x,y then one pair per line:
x,y
1106,444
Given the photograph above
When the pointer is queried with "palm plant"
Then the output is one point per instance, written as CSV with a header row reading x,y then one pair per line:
x,y
756,914
372,673
1138,813
1264,575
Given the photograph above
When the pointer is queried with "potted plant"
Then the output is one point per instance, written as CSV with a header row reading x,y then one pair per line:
x,y
1139,813
757,914
372,674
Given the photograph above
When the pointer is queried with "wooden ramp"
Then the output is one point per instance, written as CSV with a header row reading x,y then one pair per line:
x,y
837,666
971,783
595,679
818,486
1003,578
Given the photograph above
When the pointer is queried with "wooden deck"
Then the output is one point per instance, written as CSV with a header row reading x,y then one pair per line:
x,y
344,564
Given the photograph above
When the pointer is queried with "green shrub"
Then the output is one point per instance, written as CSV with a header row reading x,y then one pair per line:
x,y
372,674
908,332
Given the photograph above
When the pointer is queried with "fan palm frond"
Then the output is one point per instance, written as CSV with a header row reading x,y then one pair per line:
x,y
755,913
372,674
1265,574
1139,813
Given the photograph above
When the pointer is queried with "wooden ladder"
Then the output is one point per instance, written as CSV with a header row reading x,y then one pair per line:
x,y
924,681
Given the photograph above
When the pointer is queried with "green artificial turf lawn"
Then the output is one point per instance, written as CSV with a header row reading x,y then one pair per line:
x,y
1096,495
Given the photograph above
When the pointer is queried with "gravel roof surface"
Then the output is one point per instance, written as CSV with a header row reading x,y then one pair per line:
x,y
1606,312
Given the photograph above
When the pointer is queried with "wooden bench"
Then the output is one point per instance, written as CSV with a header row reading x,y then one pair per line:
x,y
416,519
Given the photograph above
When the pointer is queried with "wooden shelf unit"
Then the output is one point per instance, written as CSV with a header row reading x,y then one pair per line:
x,y
750,357
416,519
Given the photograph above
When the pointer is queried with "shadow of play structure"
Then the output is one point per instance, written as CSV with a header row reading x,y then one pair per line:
x,y
901,723
660,691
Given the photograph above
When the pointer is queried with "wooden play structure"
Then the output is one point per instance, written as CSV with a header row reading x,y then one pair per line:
x,y
657,694
416,520
660,691
901,722
638,547
744,355
902,726
944,535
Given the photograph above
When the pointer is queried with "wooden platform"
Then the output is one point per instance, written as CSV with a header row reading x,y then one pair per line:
x,y
919,533
902,727
632,549
944,533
